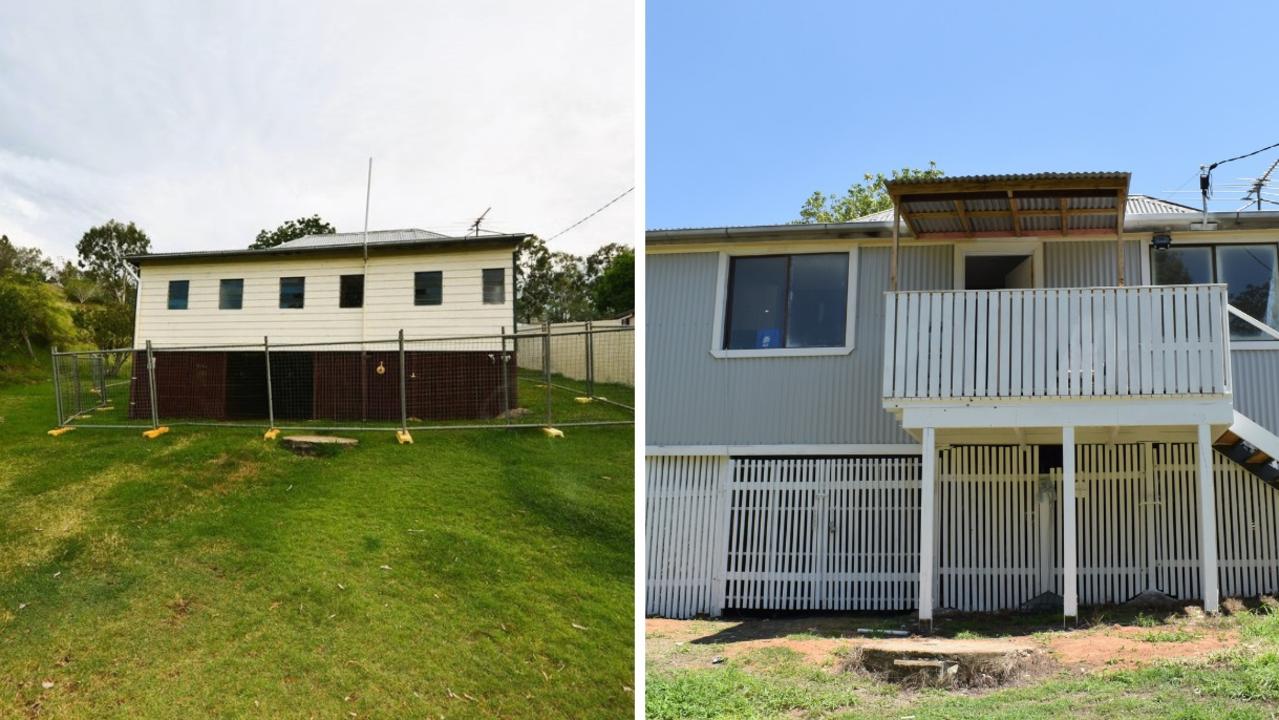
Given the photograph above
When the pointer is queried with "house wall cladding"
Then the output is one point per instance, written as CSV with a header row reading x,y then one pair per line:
x,y
1256,386
323,385
696,399
842,533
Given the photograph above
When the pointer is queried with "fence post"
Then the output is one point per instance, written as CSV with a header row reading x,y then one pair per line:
x,y
75,379
404,412
100,373
270,392
546,368
506,389
155,401
57,385
590,360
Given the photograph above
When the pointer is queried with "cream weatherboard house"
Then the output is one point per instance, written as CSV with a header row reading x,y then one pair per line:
x,y
330,306
1005,392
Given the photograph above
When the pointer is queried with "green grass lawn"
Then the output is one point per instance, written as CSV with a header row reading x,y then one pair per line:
x,y
776,682
211,573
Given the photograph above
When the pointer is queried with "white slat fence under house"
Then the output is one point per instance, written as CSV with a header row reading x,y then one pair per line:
x,y
842,533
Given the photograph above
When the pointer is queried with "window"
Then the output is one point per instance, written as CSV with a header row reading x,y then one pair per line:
x,y
494,286
1250,273
350,291
787,301
428,288
292,292
231,294
178,290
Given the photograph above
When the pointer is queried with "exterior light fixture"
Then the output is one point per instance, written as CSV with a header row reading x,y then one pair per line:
x,y
1162,241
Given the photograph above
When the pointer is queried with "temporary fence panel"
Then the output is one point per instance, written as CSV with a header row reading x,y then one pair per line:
x,y
390,384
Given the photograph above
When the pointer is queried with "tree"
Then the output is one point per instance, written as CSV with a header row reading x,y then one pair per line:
x,y
108,325
27,262
77,286
552,285
613,291
102,253
863,198
292,230
32,311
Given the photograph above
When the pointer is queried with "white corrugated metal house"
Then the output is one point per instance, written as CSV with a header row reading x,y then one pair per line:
x,y
1005,389
208,311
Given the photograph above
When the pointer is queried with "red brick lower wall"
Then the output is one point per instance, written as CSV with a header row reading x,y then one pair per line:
x,y
341,386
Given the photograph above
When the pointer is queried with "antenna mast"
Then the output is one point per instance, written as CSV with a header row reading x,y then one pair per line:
x,y
475,226
368,191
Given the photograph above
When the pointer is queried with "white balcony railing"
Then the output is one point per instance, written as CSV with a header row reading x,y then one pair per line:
x,y
1068,342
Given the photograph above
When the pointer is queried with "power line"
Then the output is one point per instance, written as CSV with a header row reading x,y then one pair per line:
x,y
599,210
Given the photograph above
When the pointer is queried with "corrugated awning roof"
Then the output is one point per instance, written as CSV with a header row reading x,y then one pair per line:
x,y
1081,203
1136,205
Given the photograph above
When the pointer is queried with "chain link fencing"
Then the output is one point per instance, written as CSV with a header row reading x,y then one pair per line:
x,y
536,377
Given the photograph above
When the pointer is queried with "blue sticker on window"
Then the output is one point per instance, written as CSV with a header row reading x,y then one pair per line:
x,y
768,338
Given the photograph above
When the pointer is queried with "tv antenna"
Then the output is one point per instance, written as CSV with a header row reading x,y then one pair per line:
x,y
1205,175
475,226
1258,187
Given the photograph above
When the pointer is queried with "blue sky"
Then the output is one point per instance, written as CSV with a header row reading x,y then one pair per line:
x,y
752,106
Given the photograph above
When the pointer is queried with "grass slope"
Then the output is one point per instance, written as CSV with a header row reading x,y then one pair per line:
x,y
210,573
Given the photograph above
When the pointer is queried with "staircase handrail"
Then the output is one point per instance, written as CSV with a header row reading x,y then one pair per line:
x,y
1253,321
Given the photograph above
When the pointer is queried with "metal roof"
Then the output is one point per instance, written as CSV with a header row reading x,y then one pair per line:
x,y
347,242
1137,205
1013,178
347,238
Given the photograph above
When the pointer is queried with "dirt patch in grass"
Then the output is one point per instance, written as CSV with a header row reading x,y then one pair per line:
x,y
1120,647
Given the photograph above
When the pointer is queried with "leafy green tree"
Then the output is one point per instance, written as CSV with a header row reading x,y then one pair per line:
x,y
863,198
30,312
27,262
292,230
613,291
552,285
78,286
103,250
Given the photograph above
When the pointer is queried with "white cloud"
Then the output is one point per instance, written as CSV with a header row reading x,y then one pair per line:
x,y
206,122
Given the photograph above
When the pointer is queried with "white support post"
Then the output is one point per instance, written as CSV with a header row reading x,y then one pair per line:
x,y
1070,560
721,519
1207,522
927,532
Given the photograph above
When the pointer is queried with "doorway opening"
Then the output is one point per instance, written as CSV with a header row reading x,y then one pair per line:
x,y
998,272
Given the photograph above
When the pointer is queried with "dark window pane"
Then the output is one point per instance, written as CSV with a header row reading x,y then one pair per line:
x,y
756,303
178,294
292,292
351,291
494,286
1249,274
818,301
428,288
1181,266
231,295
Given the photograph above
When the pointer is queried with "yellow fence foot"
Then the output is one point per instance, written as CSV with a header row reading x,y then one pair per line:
x,y
104,408
155,433
582,400
553,432
61,430
404,437
271,434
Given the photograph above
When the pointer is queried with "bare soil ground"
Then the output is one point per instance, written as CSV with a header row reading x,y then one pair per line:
x,y
823,640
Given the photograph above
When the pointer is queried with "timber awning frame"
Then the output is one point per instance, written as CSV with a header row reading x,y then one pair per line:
x,y
1011,206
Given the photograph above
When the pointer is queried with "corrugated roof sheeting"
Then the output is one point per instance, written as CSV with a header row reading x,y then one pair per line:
x,y
1015,178
357,238
696,399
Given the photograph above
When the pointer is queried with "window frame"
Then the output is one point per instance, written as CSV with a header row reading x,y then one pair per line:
x,y
484,286
282,306
186,295
222,283
1254,344
722,294
439,274
341,291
